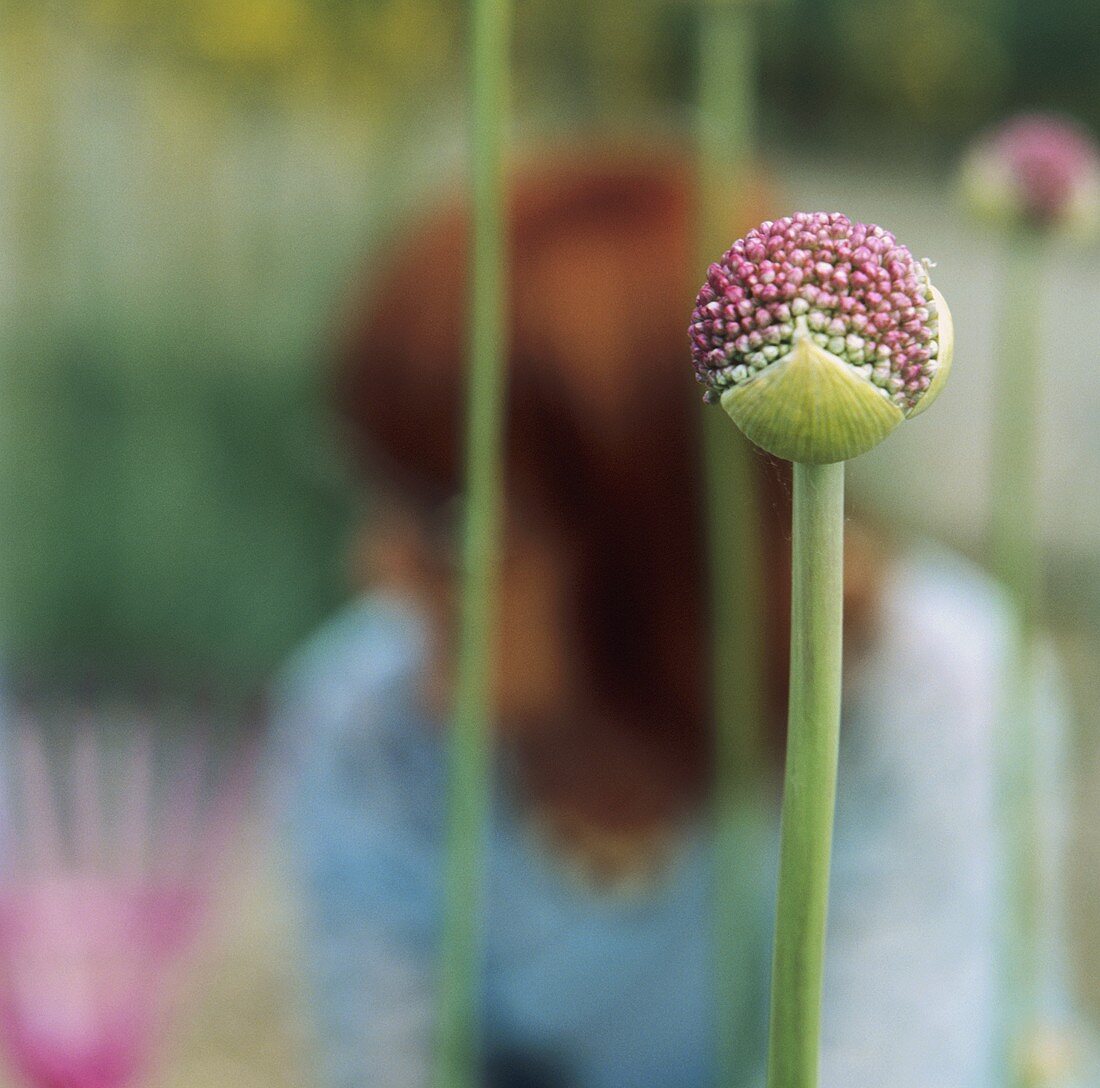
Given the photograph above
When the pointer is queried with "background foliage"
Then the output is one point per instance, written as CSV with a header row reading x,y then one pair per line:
x,y
188,190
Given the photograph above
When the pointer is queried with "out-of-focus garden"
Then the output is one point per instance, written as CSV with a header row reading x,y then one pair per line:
x,y
190,190
191,194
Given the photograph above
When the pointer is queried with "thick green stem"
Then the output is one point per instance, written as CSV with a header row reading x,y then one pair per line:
x,y
727,53
1016,563
470,754
809,792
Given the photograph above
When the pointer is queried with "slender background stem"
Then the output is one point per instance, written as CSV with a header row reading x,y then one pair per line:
x,y
1015,555
726,76
458,1052
727,52
809,792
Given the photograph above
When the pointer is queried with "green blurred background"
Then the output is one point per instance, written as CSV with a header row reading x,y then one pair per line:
x,y
188,190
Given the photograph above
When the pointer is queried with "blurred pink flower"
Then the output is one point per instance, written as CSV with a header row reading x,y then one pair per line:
x,y
101,895
1036,170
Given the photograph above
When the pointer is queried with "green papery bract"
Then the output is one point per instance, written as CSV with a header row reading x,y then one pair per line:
x,y
811,407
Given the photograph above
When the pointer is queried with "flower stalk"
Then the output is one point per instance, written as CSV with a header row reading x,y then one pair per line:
x,y
725,123
809,791
818,336
457,1056
1036,176
1015,559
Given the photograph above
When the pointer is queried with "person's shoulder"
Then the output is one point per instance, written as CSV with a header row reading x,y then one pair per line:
x,y
948,606
934,670
373,643
348,724
356,682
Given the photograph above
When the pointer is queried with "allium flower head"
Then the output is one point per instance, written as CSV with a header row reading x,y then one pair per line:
x,y
1039,171
819,336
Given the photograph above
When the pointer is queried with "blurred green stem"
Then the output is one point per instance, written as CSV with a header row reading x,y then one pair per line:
x,y
1015,558
727,54
727,106
809,791
28,65
458,1056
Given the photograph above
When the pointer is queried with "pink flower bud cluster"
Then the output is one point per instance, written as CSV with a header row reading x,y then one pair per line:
x,y
851,287
1038,168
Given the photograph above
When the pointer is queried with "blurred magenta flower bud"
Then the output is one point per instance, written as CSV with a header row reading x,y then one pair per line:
x,y
1037,170
818,336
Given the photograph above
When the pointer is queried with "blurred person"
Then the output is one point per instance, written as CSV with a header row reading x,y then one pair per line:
x,y
597,969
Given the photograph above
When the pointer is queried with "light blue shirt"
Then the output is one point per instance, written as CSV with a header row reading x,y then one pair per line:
x,y
615,989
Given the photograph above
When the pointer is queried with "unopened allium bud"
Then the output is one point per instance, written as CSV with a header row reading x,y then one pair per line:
x,y
1036,171
819,336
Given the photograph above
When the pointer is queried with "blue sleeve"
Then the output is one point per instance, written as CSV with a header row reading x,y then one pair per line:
x,y
359,782
911,982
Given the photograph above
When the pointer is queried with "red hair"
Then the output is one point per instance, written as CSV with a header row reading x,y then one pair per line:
x,y
603,418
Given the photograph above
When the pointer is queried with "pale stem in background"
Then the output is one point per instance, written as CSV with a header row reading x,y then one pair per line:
x,y
726,105
470,736
1015,555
